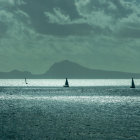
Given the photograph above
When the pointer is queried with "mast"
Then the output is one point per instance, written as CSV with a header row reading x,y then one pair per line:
x,y
26,81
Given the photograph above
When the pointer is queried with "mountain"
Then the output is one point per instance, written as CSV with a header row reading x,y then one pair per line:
x,y
71,70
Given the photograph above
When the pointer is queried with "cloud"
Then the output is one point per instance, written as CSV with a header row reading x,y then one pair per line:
x,y
101,34
58,17
100,16
6,2
10,3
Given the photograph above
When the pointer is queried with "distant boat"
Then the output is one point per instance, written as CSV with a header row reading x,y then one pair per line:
x,y
132,84
26,81
66,83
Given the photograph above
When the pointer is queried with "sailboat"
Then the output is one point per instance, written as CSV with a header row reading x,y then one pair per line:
x,y
26,81
66,83
132,84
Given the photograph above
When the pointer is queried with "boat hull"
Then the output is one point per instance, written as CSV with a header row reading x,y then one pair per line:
x,y
65,86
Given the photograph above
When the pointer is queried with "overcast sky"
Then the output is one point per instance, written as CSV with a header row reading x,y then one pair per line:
x,y
99,34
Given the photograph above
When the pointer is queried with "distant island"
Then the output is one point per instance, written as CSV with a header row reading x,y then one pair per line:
x,y
70,70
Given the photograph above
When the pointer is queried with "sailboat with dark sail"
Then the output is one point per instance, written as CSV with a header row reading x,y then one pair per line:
x,y
132,84
66,83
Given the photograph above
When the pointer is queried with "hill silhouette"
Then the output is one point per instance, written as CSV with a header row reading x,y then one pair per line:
x,y
69,69
73,70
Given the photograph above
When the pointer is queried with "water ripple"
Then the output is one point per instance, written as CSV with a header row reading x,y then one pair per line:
x,y
86,99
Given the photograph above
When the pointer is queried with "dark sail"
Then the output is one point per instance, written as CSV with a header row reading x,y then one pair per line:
x,y
132,84
66,83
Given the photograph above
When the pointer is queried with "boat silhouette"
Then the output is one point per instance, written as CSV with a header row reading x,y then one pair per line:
x,y
132,84
26,81
66,83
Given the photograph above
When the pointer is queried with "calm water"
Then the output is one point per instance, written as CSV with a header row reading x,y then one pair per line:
x,y
89,110
72,82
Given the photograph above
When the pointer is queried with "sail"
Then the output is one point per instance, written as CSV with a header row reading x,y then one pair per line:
x,y
66,83
132,84
26,81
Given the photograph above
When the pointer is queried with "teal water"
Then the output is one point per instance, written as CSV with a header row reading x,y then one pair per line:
x,y
76,113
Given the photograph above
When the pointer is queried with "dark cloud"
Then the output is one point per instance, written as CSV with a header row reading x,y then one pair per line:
x,y
120,10
3,29
64,30
130,32
36,8
41,23
78,24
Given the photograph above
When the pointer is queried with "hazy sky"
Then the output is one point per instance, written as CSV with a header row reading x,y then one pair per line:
x,y
99,34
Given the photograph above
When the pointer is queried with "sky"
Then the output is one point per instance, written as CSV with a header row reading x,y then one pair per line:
x,y
98,34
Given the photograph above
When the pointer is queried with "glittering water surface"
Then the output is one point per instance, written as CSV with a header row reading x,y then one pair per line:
x,y
72,82
76,113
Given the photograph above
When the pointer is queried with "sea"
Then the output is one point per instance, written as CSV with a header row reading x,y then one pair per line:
x,y
99,109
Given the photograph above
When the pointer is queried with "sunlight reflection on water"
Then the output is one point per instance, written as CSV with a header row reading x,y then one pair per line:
x,y
72,82
85,99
